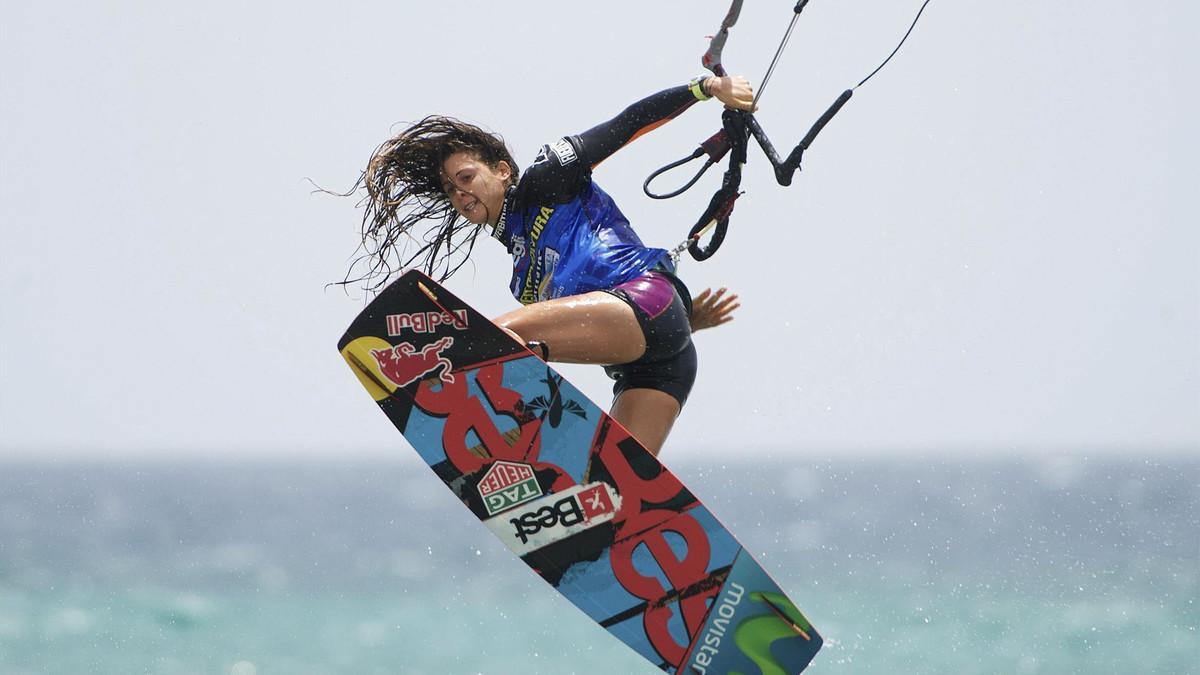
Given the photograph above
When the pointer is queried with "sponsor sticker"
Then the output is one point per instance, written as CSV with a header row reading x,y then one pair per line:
x,y
403,364
425,322
752,624
555,517
565,151
508,484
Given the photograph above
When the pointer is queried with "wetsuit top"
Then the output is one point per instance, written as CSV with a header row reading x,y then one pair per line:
x,y
565,234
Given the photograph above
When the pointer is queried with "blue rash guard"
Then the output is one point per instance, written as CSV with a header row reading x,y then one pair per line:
x,y
567,237
565,234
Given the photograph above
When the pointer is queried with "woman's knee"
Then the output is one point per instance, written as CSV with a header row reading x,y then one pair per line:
x,y
520,322
512,333
512,323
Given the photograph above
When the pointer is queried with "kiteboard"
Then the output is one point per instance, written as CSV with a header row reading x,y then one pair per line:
x,y
568,490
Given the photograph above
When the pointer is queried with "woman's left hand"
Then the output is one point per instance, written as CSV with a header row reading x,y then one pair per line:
x,y
713,309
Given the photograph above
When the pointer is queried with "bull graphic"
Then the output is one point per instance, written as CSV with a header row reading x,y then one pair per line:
x,y
403,364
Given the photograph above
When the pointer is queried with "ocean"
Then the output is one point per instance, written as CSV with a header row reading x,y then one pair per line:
x,y
1014,566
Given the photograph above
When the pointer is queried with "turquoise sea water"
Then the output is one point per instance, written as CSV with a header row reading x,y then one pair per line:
x,y
923,565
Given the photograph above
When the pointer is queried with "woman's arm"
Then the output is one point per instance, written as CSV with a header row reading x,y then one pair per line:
x,y
601,141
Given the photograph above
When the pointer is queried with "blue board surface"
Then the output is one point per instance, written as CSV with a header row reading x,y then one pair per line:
x,y
569,491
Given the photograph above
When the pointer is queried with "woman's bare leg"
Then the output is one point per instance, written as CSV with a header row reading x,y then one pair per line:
x,y
599,328
648,414
589,328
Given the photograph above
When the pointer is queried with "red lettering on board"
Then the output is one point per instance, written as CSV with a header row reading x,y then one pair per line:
x,y
465,413
639,523
680,572
639,526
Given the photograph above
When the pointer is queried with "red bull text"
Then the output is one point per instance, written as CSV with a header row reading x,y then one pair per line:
x,y
425,322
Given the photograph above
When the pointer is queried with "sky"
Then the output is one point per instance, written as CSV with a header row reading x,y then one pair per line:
x,y
993,249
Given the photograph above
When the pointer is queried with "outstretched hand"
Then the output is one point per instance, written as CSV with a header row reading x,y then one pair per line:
x,y
713,309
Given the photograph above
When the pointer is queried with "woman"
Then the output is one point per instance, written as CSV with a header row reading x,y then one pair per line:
x,y
591,291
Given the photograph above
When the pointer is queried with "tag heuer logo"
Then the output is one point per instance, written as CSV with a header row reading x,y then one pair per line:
x,y
506,485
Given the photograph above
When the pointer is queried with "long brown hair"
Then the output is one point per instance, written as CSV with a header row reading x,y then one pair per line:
x,y
404,187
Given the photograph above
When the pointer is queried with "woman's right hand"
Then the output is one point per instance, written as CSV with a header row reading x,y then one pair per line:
x,y
712,309
732,90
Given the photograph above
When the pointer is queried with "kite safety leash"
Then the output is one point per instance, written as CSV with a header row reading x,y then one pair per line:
x,y
737,126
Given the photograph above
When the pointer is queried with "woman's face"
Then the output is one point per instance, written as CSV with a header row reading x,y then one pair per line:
x,y
475,189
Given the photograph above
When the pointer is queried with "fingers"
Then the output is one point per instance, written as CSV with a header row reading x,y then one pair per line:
x,y
713,308
719,303
736,91
727,305
707,300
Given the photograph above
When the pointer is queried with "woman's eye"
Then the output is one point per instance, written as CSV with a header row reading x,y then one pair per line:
x,y
460,184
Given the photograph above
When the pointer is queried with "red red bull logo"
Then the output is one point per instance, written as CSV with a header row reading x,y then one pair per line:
x,y
403,364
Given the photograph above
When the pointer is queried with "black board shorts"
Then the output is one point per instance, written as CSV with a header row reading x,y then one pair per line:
x,y
663,307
